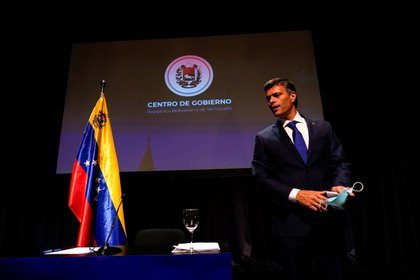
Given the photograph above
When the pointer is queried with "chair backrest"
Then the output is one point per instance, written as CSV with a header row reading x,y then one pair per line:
x,y
158,240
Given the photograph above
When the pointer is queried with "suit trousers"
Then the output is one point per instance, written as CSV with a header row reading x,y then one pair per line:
x,y
318,255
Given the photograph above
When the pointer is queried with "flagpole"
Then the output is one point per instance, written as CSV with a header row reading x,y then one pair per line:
x,y
103,84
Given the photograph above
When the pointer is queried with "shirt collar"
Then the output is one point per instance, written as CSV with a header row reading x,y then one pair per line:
x,y
298,118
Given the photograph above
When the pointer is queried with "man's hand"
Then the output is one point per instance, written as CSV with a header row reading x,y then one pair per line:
x,y
339,189
314,200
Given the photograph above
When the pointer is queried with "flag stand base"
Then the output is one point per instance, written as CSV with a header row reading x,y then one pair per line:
x,y
108,250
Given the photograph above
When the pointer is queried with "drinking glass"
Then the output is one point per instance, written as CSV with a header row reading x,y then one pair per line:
x,y
191,218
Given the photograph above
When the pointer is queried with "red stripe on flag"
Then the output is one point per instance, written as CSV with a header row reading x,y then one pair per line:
x,y
79,204
77,198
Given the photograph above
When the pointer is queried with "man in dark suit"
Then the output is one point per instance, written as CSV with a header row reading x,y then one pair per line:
x,y
307,236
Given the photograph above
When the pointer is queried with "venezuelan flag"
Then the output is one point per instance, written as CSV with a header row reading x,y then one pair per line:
x,y
95,187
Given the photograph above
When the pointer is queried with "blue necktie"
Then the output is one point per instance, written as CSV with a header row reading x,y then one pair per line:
x,y
299,142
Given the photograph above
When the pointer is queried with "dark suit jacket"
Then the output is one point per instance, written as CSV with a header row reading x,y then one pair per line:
x,y
277,168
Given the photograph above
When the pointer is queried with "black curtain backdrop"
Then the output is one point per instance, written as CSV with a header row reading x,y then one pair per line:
x,y
368,101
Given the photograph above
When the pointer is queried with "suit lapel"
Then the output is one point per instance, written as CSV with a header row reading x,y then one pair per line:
x,y
280,132
285,140
311,131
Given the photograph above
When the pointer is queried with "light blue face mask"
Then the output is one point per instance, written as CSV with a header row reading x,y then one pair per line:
x,y
339,200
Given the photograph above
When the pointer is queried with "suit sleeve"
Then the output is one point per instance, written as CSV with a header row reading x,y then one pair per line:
x,y
339,164
264,178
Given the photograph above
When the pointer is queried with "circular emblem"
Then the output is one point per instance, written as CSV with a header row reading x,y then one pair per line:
x,y
188,75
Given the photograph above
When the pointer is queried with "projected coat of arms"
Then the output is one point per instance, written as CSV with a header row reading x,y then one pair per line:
x,y
188,75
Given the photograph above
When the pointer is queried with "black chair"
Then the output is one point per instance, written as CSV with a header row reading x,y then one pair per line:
x,y
158,240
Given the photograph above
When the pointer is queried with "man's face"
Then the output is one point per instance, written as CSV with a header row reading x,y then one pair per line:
x,y
280,102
